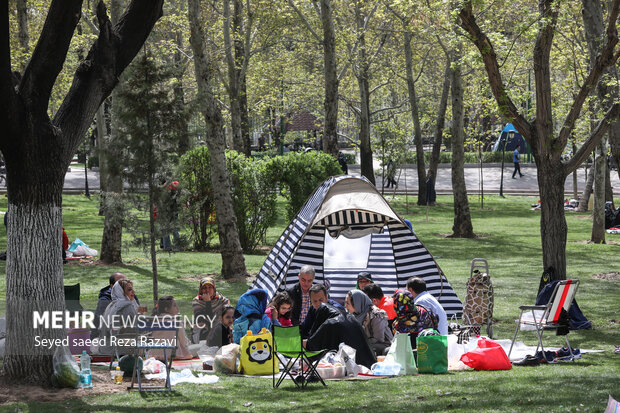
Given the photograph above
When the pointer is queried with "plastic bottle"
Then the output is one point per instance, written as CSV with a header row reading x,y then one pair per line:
x,y
117,376
86,379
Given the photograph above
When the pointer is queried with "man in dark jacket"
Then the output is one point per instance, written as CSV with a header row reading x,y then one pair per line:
x,y
332,328
300,294
318,296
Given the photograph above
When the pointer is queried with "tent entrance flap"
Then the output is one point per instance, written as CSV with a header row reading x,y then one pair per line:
x,y
346,253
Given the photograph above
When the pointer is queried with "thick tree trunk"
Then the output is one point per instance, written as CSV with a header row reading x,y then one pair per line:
x,y
609,190
553,229
462,227
417,135
330,128
440,122
233,262
598,209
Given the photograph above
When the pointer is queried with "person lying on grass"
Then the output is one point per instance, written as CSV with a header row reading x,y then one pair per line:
x,y
167,306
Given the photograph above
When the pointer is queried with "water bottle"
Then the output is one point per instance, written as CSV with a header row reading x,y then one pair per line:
x,y
86,379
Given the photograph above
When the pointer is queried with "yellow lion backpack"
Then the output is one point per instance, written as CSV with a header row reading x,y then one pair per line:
x,y
256,354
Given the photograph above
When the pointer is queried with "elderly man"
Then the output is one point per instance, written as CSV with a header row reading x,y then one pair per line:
x,y
417,288
318,296
300,294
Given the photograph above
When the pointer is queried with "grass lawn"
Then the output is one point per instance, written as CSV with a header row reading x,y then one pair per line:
x,y
509,238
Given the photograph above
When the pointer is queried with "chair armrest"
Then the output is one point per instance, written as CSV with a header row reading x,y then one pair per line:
x,y
532,307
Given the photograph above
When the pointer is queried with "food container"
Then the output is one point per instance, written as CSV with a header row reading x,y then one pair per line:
x,y
333,372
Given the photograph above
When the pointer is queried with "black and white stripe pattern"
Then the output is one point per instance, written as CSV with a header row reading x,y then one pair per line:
x,y
395,254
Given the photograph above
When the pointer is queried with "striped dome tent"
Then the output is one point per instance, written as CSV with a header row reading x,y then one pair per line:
x,y
346,227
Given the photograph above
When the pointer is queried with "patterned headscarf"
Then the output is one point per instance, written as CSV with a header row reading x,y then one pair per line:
x,y
410,317
207,281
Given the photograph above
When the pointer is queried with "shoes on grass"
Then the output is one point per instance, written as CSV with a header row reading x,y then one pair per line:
x,y
528,360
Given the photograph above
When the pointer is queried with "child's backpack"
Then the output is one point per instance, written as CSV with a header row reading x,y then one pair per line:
x,y
256,354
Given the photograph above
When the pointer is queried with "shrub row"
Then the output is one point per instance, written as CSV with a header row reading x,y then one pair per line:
x,y
254,183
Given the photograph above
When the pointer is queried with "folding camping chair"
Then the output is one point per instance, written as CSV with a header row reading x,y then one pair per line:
x,y
287,343
72,298
144,342
547,317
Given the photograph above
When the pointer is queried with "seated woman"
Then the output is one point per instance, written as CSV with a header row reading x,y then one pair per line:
x,y
410,318
208,307
331,328
167,306
373,319
222,335
122,307
250,314
279,310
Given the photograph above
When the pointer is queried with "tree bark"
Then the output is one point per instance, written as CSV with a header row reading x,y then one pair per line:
x,y
598,209
441,121
233,262
417,135
462,227
587,191
24,37
330,128
38,150
609,190
362,75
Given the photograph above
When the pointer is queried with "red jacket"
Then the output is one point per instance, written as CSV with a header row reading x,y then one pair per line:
x,y
65,240
387,304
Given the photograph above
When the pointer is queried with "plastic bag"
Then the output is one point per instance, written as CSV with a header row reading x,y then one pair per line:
x,y
488,356
401,353
346,354
76,244
66,370
84,251
153,366
432,354
226,359
330,358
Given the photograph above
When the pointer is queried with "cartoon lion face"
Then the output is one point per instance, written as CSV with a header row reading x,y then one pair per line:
x,y
259,351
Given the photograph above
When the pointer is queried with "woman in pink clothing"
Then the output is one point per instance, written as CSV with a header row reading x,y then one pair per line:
x,y
279,310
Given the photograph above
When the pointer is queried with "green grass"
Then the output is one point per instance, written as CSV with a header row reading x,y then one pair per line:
x,y
509,239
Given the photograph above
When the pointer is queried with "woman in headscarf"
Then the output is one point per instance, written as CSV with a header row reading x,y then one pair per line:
x,y
208,307
331,328
121,311
373,320
410,318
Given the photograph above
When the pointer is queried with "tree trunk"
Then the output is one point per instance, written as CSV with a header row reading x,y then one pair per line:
x,y
179,92
362,75
575,190
24,38
598,209
330,128
152,239
440,123
413,104
462,227
553,229
609,190
233,262
587,191
110,178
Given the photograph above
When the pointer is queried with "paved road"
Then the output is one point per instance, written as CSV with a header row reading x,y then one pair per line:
x,y
408,180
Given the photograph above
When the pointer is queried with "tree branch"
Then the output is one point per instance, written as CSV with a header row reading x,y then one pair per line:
x,y
89,23
505,105
49,54
594,138
98,74
605,59
305,22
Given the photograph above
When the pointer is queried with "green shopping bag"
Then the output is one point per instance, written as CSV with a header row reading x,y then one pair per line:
x,y
432,354
401,352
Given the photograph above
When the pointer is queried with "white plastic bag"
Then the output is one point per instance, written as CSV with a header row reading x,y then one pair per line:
x,y
84,251
226,359
346,354
153,366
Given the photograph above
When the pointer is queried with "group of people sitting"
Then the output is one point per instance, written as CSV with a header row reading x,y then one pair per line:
x,y
366,322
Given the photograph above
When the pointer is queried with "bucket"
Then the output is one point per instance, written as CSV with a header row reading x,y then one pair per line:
x,y
79,340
